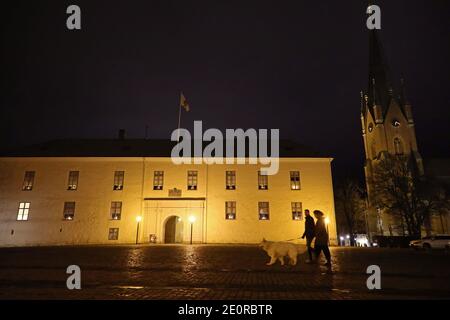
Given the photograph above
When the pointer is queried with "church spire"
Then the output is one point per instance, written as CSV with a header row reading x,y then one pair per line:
x,y
380,88
374,93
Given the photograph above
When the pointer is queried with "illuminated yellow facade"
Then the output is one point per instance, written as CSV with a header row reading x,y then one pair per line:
x,y
43,203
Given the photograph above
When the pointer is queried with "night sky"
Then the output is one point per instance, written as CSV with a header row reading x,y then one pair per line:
x,y
294,65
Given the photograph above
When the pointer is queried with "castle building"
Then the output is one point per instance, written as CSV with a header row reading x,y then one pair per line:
x,y
128,191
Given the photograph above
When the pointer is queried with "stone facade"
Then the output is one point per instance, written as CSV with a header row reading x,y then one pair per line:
x,y
92,221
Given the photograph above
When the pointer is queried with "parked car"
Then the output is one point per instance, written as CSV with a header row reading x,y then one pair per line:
x,y
440,241
392,241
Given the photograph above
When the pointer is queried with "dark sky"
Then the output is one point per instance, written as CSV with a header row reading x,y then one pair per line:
x,y
294,65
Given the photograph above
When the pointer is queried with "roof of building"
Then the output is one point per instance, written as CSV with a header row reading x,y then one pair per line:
x,y
379,82
380,90
130,148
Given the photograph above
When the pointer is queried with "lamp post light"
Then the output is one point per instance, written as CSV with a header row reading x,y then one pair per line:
x,y
138,220
191,221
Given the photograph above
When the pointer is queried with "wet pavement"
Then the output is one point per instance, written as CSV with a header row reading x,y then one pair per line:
x,y
218,272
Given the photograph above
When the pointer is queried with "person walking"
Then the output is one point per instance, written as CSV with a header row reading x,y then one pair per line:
x,y
321,234
309,234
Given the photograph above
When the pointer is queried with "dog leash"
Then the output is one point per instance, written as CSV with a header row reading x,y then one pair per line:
x,y
292,239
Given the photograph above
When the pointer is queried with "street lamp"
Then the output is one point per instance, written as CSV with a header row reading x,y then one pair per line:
x,y
347,240
191,221
138,220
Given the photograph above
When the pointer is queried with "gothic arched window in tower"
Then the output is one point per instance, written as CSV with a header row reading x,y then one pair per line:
x,y
398,146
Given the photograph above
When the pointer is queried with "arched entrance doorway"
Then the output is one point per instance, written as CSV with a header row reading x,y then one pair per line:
x,y
173,230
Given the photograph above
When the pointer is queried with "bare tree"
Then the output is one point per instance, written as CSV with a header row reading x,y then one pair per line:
x,y
350,205
410,198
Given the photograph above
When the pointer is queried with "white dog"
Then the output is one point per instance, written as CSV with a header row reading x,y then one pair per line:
x,y
278,250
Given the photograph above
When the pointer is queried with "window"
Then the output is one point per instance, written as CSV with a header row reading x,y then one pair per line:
x,y
263,181
73,180
118,180
263,209
158,180
230,210
295,180
116,210
113,234
398,146
192,180
69,210
395,123
24,208
230,180
28,181
297,211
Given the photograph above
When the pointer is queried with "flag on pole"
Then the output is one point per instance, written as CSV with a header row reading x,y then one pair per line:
x,y
184,103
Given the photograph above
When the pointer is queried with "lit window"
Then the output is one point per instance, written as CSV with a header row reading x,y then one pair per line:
x,y
263,181
230,210
192,180
297,211
263,210
73,180
118,180
116,210
24,208
230,180
69,210
158,180
295,180
28,181
113,234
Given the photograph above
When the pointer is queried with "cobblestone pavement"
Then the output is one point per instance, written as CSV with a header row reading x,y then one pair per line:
x,y
218,272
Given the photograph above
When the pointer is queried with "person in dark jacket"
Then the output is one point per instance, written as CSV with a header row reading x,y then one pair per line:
x,y
309,234
321,243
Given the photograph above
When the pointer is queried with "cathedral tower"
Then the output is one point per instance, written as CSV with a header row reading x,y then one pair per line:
x,y
387,128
